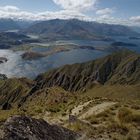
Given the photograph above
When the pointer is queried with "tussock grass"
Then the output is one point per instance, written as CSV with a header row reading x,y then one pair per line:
x,y
93,120
126,115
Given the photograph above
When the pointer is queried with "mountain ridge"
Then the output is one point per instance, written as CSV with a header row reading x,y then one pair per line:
x,y
120,68
105,92
79,76
64,29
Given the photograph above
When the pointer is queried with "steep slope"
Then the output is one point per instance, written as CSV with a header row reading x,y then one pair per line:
x,y
12,90
118,68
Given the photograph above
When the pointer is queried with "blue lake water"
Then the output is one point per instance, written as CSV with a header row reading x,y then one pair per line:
x,y
16,67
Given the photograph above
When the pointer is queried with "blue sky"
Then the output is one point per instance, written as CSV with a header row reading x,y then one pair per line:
x,y
109,11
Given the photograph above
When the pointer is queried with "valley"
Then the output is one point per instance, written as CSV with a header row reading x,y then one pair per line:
x,y
69,80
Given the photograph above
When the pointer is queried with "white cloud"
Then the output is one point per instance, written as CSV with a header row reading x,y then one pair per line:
x,y
135,19
9,8
63,14
77,5
106,11
113,20
15,13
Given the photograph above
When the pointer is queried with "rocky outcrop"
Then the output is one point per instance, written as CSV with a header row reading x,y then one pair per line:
x,y
26,128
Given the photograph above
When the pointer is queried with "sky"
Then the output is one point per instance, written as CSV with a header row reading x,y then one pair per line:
x,y
126,12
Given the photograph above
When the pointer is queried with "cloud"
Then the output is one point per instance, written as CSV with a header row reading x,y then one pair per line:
x,y
9,8
113,20
102,15
15,13
77,5
63,14
135,19
106,11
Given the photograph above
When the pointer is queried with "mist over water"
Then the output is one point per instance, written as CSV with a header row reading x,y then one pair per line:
x,y
17,67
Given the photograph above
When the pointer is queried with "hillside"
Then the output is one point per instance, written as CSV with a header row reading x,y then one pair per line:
x,y
96,99
118,68
69,29
12,90
9,39
121,68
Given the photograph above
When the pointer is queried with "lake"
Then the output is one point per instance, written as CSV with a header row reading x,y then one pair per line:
x,y
17,67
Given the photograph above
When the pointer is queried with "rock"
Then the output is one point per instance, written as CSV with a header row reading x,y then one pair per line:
x,y
6,106
26,128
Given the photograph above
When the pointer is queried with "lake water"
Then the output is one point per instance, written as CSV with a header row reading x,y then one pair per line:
x,y
16,67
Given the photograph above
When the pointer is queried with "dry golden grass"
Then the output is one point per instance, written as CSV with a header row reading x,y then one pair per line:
x,y
126,115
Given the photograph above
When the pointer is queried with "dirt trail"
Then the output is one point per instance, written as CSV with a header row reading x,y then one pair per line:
x,y
97,109
79,108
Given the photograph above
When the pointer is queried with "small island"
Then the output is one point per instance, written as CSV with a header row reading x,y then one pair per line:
x,y
3,60
123,44
31,55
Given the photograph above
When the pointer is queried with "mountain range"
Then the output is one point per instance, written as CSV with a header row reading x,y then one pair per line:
x,y
11,24
8,24
68,29
77,29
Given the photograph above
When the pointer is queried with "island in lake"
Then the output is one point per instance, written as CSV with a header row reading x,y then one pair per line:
x,y
3,60
123,44
33,55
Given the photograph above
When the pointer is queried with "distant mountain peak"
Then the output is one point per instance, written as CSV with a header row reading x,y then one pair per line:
x,y
75,28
